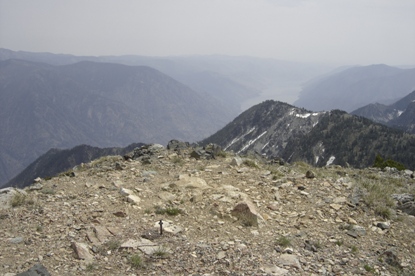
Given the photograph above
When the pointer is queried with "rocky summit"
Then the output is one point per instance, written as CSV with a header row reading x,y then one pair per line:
x,y
180,210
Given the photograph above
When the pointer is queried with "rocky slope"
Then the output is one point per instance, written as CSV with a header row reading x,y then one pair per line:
x,y
220,216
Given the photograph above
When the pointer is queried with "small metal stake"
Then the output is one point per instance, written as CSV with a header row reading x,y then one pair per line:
x,y
161,227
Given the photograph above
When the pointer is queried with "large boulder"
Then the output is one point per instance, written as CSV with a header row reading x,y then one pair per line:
x,y
177,145
246,212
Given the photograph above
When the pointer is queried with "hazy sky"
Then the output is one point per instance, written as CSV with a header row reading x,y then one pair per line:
x,y
341,31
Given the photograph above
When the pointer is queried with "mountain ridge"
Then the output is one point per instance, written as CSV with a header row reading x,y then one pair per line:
x,y
279,130
44,106
398,115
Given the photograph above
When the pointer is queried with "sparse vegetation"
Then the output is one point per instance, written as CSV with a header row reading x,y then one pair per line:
x,y
171,211
111,245
161,252
302,167
383,211
177,160
250,163
90,267
283,241
221,153
339,242
100,161
368,268
18,199
378,193
354,249
47,191
136,261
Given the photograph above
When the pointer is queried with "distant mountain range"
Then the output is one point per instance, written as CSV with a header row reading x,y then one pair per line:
x,y
277,129
61,101
355,87
232,80
400,114
100,104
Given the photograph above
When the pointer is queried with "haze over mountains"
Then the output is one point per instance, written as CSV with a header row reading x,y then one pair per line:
x,y
61,101
355,87
99,104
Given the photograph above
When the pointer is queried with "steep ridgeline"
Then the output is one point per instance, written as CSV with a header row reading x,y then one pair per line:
x,y
399,114
357,86
100,104
277,129
56,161
265,128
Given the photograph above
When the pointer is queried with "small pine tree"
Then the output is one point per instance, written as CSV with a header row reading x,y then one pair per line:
x,y
381,163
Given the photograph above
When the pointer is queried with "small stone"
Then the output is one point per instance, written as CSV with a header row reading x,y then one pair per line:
x,y
289,260
120,214
126,192
101,233
310,174
236,161
221,255
133,199
351,221
274,270
82,252
16,240
356,231
288,250
383,225
335,206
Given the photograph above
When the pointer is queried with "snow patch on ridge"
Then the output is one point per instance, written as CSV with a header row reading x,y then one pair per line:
x,y
252,141
265,145
239,138
330,161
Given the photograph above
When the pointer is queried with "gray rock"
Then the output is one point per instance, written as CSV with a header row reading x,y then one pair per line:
x,y
275,270
81,251
36,270
7,194
289,260
391,258
406,203
237,161
147,153
383,225
197,154
356,231
221,255
247,213
177,145
35,187
16,240
310,174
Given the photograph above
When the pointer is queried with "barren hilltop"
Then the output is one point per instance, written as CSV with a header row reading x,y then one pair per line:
x,y
220,214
